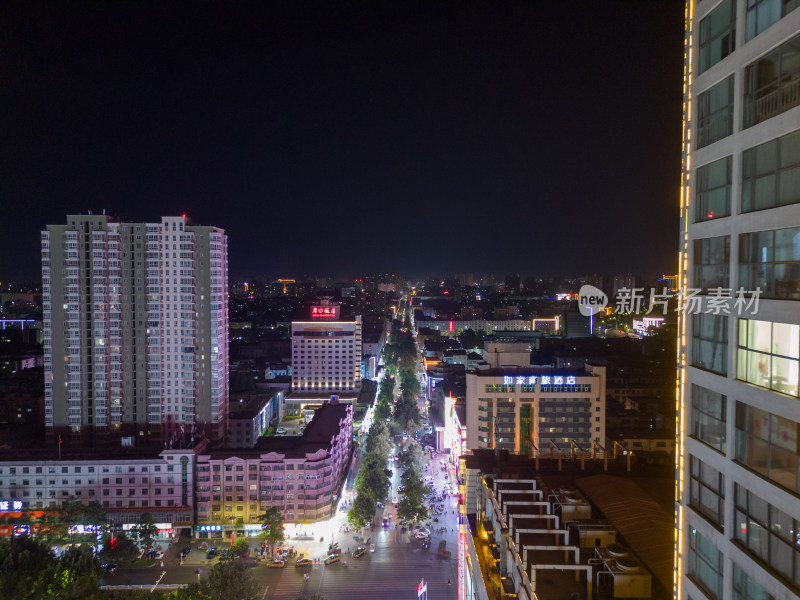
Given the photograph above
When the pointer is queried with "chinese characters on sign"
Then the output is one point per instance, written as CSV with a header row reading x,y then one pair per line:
x,y
545,379
325,312
10,505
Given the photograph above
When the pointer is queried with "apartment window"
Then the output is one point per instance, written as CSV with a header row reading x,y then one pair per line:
x,y
768,355
745,588
710,342
763,13
768,533
707,491
772,83
712,262
771,173
713,190
715,113
717,34
705,564
708,417
770,260
768,444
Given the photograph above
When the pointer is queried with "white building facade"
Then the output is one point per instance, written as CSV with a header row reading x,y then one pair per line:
x,y
326,356
135,330
738,475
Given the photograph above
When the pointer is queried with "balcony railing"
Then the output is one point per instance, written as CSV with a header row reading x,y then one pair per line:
x,y
762,105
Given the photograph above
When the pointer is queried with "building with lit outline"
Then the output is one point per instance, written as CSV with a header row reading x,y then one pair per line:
x,y
737,513
326,356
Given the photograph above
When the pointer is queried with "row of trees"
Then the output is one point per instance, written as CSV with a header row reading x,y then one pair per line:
x,y
372,481
29,570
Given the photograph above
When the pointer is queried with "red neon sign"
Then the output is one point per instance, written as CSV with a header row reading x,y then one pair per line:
x,y
324,312
450,326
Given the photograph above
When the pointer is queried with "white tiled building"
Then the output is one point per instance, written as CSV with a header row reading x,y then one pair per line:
x,y
326,356
738,509
135,330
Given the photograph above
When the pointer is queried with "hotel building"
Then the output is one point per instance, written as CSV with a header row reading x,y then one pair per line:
x,y
135,331
326,357
737,514
513,407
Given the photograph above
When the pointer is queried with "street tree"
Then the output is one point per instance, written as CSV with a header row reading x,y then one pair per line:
x,y
411,508
414,457
362,511
240,547
118,549
230,579
272,527
378,440
146,531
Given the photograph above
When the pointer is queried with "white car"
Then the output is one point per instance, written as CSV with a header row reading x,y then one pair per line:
x,y
394,500
281,431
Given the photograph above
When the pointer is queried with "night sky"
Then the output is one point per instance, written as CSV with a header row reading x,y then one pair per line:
x,y
340,138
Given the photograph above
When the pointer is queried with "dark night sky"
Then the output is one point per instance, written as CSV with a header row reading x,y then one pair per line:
x,y
420,137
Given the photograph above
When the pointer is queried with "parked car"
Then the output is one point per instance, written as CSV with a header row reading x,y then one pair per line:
x,y
281,431
212,552
185,552
109,568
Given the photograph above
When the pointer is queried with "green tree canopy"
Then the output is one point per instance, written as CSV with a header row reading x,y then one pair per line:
x,y
272,524
146,531
414,457
118,549
411,508
362,511
240,547
229,580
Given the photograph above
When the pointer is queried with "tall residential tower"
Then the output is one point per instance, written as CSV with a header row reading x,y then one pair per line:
x,y
737,513
135,331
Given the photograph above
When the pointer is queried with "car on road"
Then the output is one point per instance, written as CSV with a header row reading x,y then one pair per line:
x,y
385,523
277,564
401,488
185,552
281,431
332,558
359,552
212,552
303,562
156,554
394,500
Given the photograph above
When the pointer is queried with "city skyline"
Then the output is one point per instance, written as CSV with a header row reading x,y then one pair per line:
x,y
353,139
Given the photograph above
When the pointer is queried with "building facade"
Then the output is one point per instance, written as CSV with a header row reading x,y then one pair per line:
x,y
738,481
135,331
522,409
126,486
326,356
301,475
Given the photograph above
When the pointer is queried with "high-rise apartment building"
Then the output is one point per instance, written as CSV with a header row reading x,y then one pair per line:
x,y
135,331
737,514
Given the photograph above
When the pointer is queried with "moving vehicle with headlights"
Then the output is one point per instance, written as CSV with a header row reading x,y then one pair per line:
x,y
303,562
277,564
359,552
332,558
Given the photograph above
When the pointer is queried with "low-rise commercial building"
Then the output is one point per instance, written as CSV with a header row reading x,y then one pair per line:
x,y
301,475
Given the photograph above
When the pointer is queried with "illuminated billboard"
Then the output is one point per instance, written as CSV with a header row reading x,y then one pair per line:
x,y
325,313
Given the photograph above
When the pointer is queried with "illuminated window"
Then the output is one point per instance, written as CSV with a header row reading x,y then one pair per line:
x,y
768,355
768,444
713,190
717,34
771,174
715,113
710,342
770,260
712,262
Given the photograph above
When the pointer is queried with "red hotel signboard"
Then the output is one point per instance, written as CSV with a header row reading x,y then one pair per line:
x,y
330,313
